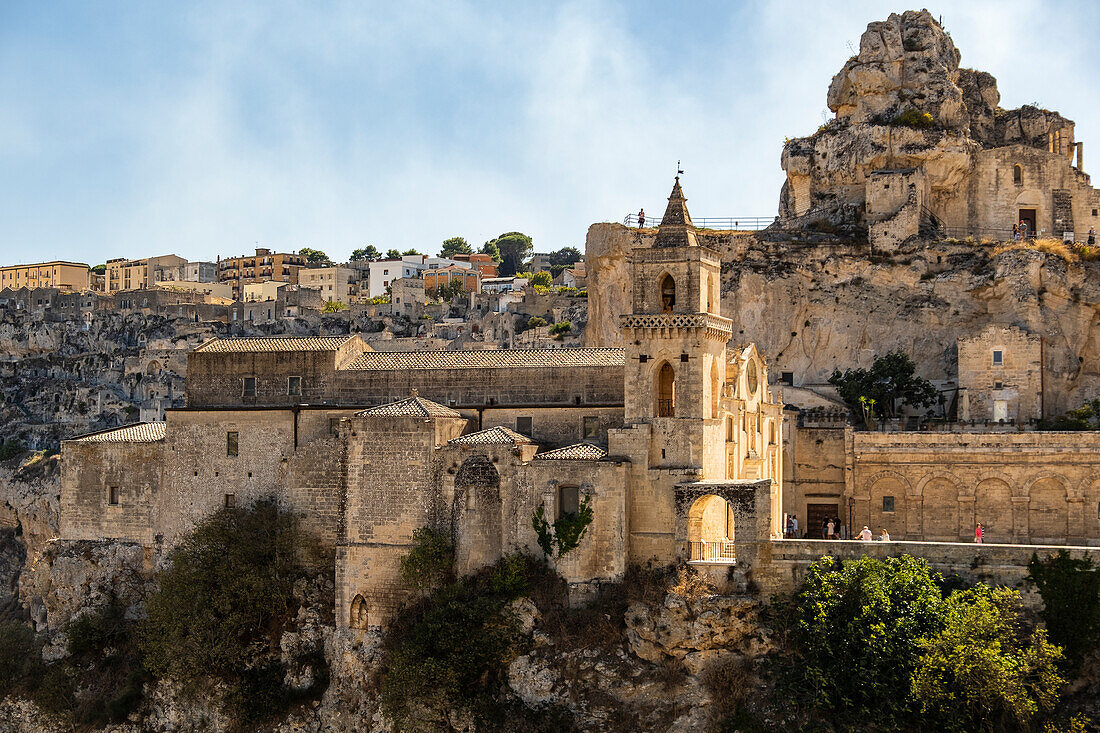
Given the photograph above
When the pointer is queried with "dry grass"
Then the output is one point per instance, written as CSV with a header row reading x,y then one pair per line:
x,y
1055,247
691,585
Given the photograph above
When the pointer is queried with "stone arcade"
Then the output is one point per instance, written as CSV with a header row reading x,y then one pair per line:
x,y
675,441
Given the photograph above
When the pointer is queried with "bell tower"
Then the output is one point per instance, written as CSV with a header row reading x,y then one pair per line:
x,y
675,343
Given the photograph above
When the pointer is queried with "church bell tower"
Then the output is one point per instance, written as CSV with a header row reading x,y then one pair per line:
x,y
675,343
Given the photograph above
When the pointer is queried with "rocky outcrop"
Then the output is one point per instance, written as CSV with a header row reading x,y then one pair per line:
x,y
902,102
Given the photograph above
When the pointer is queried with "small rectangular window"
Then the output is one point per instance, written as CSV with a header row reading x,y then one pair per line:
x,y
787,378
643,358
231,443
333,425
887,503
112,496
998,358
523,426
591,427
230,501
569,501
249,387
294,385
998,385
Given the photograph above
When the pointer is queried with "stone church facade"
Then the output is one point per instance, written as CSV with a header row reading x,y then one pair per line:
x,y
674,440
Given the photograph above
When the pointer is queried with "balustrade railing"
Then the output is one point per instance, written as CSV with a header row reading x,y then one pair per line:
x,y
731,223
712,551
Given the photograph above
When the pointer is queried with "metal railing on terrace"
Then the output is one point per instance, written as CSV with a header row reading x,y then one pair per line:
x,y
726,223
712,551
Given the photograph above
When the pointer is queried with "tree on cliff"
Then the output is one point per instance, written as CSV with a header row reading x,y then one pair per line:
x,y
514,248
455,246
370,252
565,256
890,380
313,255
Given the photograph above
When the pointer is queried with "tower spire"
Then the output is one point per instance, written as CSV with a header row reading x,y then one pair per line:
x,y
676,228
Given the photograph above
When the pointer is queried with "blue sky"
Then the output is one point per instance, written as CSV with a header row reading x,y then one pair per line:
x,y
207,128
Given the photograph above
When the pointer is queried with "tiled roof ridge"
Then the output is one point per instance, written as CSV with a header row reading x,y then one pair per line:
x,y
495,434
142,432
488,358
414,406
246,344
577,452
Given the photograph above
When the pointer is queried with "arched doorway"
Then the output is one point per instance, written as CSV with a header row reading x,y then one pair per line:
x,y
941,511
1047,515
476,515
667,288
358,617
666,391
710,529
993,508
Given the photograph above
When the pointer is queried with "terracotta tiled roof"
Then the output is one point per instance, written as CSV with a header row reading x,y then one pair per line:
x,y
578,452
142,432
273,343
492,436
412,407
487,359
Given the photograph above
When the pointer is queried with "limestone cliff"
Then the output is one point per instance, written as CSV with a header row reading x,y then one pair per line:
x,y
815,302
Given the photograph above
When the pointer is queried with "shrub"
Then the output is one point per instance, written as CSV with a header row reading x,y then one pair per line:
x,y
1070,590
542,278
223,602
857,629
1085,417
534,322
10,449
450,651
430,563
982,671
1054,247
561,327
569,529
105,669
915,118
18,651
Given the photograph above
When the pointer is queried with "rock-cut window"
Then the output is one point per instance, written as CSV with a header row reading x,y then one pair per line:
x,y
231,443
294,386
249,389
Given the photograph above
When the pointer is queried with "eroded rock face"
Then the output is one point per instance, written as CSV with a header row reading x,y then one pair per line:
x,y
905,60
903,103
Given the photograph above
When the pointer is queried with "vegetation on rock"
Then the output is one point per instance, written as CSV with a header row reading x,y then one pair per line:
x,y
878,390
1070,590
1085,417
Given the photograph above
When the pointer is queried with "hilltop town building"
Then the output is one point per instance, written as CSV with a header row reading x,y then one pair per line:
x,y
123,274
264,266
335,283
56,274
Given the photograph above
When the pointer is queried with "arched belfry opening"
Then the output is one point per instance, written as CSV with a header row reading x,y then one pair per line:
x,y
667,287
358,617
1017,174
666,391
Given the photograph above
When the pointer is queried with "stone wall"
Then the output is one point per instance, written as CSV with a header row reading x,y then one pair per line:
x,y
1038,487
1017,381
553,426
217,379
89,470
782,564
814,471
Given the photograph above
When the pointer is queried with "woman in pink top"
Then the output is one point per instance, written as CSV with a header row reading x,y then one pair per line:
x,y
979,534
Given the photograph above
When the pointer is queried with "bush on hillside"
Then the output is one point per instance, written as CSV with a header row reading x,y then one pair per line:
x,y
221,606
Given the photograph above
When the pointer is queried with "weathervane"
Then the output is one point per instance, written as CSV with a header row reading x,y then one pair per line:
x,y
679,170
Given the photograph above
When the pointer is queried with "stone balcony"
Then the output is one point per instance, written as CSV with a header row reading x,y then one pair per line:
x,y
715,327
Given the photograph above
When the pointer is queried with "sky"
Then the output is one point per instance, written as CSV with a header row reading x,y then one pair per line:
x,y
210,128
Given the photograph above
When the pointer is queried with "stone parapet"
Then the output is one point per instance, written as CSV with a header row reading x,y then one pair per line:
x,y
714,327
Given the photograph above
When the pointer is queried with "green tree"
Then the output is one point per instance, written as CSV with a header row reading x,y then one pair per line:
x,y
393,254
890,380
99,269
565,256
221,605
370,252
313,255
1085,417
334,306
430,562
984,670
410,252
455,246
857,628
490,248
542,279
514,248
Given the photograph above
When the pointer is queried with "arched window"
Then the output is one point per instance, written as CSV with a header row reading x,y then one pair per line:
x,y
668,293
666,391
1017,174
